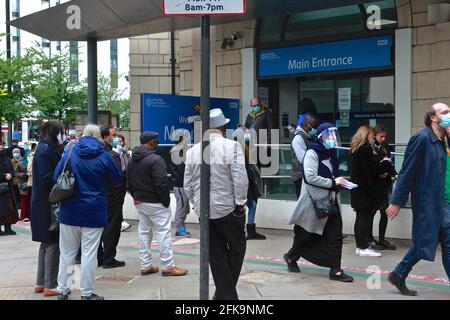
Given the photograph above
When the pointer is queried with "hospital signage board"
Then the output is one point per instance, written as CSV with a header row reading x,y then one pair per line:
x,y
165,113
204,7
365,53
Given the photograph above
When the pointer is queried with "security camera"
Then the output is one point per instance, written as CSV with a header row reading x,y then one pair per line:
x,y
226,42
234,36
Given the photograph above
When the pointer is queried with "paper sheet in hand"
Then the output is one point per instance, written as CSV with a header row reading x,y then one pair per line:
x,y
349,185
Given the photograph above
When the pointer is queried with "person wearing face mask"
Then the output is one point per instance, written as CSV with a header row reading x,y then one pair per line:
x,y
425,174
125,157
319,240
115,197
21,182
260,119
8,210
15,159
46,157
303,137
365,168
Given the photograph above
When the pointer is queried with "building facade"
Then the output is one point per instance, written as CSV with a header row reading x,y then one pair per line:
x,y
403,46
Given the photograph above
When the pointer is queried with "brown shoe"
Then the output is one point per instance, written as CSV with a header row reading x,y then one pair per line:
x,y
175,271
38,289
50,293
148,271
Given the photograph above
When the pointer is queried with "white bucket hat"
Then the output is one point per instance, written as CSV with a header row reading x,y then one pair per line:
x,y
217,119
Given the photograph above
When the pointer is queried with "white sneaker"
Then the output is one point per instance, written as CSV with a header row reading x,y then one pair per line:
x,y
125,226
367,253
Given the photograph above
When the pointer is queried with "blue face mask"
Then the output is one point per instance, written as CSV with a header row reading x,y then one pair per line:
x,y
445,122
115,142
329,144
256,109
313,132
16,155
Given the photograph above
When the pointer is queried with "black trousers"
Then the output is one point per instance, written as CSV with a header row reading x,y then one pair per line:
x,y
298,187
363,225
382,226
111,234
227,247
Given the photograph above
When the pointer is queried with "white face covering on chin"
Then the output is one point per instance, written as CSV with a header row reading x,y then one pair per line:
x,y
60,139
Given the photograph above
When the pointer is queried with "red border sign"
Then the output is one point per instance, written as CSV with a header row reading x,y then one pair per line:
x,y
202,14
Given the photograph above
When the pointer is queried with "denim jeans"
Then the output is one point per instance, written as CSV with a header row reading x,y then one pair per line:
x,y
251,213
410,259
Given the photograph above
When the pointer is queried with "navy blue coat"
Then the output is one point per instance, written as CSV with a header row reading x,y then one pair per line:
x,y
45,161
423,174
94,169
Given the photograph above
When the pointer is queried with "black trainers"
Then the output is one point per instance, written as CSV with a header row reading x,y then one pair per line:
x,y
292,265
93,297
387,245
343,277
114,264
400,284
62,296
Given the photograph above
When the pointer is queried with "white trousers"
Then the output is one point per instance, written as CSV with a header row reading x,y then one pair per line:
x,y
70,238
154,218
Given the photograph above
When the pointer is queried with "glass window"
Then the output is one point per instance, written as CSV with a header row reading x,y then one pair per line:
x,y
114,66
321,92
317,23
74,61
271,29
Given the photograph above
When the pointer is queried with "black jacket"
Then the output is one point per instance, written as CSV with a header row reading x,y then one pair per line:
x,y
147,177
364,171
384,185
262,121
255,184
115,194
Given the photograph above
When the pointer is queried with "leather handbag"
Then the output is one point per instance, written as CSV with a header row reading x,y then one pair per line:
x,y
64,187
324,208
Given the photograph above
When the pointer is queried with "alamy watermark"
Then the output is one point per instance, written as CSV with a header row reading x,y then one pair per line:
x,y
73,21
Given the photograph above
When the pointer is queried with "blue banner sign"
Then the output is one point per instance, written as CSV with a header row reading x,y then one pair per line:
x,y
367,53
164,113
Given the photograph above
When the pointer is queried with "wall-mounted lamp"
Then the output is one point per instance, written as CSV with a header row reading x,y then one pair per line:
x,y
229,41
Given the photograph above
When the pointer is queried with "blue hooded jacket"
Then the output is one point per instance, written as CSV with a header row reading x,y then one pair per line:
x,y
94,169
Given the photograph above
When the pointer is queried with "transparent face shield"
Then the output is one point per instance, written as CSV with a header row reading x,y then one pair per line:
x,y
330,138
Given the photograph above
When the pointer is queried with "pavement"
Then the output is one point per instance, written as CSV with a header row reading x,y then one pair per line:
x,y
264,274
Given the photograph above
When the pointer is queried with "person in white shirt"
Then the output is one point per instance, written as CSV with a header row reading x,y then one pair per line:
x,y
228,198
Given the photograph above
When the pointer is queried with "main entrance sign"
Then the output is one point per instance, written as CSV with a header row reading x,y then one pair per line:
x,y
366,53
203,7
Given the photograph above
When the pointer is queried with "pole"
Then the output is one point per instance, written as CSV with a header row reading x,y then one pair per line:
x,y
205,169
8,57
173,61
92,80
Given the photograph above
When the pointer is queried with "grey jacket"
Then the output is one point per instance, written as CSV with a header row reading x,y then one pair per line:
x,y
303,213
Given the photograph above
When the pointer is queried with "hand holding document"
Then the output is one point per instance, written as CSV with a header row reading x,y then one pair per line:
x,y
349,185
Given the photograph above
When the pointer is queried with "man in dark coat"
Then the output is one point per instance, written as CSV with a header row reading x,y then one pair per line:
x,y
115,197
423,175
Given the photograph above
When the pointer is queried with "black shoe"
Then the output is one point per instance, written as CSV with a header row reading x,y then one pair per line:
x,y
9,231
343,277
2,233
93,297
377,246
387,245
400,284
292,265
114,264
62,296
252,234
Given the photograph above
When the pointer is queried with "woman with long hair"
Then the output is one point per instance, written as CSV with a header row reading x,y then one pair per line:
x,y
364,170
383,187
46,158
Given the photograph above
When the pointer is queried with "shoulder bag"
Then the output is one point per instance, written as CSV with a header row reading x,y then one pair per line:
x,y
65,185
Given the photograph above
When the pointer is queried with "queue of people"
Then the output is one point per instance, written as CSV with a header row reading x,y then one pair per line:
x,y
90,221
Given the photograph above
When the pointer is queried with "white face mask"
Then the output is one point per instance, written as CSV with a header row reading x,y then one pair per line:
x,y
61,139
